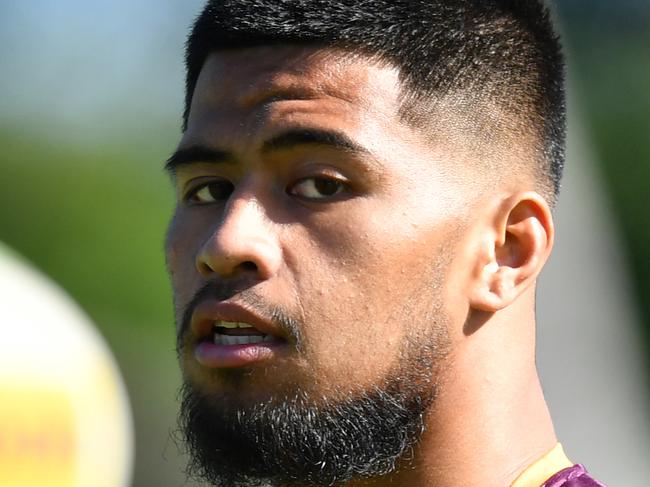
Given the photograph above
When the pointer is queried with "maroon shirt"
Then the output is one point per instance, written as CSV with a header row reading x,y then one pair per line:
x,y
575,476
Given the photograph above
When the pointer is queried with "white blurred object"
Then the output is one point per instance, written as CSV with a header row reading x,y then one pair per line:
x,y
65,419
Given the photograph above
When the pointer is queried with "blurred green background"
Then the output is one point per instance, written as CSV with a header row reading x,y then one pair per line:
x,y
90,105
609,65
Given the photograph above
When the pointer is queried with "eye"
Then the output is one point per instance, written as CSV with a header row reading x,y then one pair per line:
x,y
317,188
212,192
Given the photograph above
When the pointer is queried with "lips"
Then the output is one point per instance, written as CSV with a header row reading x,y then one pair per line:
x,y
227,335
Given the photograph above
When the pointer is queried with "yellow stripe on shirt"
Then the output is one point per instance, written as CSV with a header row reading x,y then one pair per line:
x,y
543,469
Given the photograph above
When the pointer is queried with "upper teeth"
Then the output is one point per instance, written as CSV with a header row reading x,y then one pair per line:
x,y
232,324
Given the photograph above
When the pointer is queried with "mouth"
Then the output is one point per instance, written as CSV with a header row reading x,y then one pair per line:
x,y
227,335
237,333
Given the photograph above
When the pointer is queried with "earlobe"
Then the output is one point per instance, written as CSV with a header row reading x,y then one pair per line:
x,y
493,288
515,247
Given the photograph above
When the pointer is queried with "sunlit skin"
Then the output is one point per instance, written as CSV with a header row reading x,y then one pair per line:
x,y
387,234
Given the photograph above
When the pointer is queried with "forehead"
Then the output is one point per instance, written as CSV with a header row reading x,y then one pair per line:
x,y
257,85
326,70
308,71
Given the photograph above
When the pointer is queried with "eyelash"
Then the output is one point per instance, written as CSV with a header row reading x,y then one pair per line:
x,y
225,188
316,181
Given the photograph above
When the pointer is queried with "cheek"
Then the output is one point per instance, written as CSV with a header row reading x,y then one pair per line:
x,y
181,247
362,289
370,248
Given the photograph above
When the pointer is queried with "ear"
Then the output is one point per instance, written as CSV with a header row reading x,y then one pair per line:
x,y
514,248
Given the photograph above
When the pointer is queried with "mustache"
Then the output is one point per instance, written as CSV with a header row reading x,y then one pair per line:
x,y
223,290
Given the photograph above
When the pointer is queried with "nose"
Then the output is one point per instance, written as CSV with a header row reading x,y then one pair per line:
x,y
244,241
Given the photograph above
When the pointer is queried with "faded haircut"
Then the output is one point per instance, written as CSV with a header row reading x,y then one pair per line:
x,y
496,53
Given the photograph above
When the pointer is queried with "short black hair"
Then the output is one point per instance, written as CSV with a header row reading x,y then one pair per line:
x,y
505,51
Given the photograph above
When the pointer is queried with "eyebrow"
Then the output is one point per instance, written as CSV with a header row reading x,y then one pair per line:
x,y
194,155
297,137
283,141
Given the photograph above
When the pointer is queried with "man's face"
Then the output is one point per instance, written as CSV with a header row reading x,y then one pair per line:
x,y
308,210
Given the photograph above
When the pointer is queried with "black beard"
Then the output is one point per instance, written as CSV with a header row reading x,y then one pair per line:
x,y
303,440
297,441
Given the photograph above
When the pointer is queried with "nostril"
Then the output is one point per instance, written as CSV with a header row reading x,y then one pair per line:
x,y
248,266
204,269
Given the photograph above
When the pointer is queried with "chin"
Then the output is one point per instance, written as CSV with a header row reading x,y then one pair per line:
x,y
293,435
297,440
